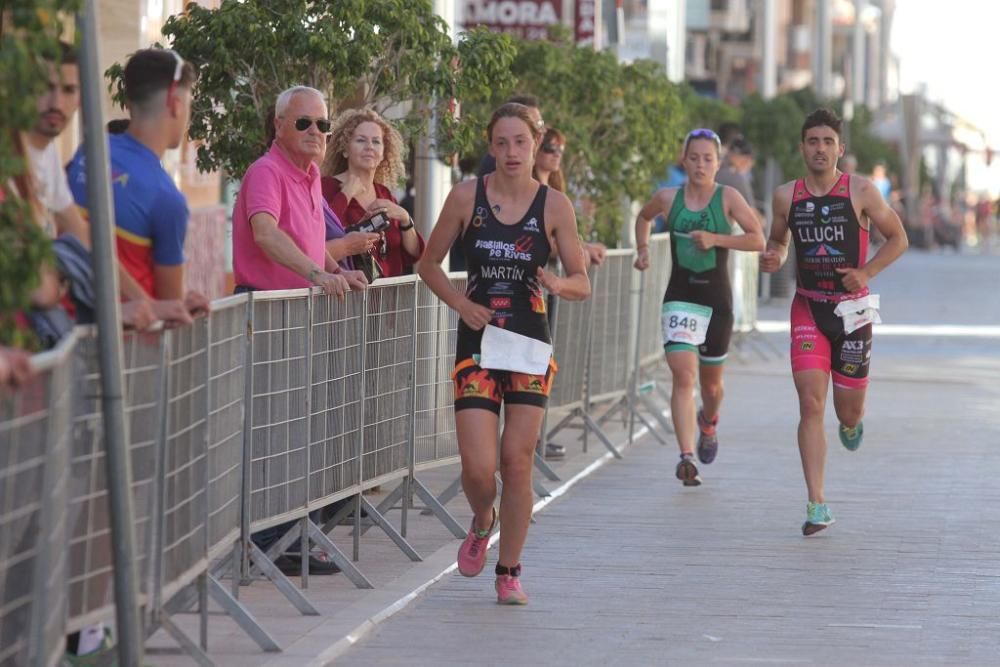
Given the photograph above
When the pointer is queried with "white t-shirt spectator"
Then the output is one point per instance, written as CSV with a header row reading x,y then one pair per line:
x,y
53,189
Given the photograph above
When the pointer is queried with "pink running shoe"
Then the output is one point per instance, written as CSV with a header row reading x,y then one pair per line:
x,y
472,553
509,588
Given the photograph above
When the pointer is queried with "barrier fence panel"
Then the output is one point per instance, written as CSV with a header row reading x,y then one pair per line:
x,y
388,403
183,545
34,465
571,324
90,563
612,321
279,425
434,438
335,397
335,432
227,328
656,277
743,272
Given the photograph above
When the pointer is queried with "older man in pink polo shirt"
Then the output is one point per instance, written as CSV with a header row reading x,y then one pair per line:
x,y
279,235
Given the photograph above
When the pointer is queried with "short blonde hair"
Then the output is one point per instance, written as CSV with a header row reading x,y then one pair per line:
x,y
391,171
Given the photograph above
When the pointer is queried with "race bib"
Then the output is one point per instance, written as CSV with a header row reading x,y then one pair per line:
x,y
685,322
504,350
856,313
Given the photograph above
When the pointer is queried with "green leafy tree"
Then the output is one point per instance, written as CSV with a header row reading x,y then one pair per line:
x,y
707,112
29,34
393,55
773,127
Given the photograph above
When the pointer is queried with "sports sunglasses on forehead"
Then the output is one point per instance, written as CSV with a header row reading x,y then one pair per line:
x,y
702,133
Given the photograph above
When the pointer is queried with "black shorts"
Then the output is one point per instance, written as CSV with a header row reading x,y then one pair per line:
x,y
715,348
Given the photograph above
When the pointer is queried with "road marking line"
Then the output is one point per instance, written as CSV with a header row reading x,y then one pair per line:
x,y
875,626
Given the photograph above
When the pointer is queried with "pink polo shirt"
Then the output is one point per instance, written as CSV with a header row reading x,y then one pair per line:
x,y
274,185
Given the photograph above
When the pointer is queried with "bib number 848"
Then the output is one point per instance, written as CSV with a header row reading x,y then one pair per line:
x,y
689,323
685,322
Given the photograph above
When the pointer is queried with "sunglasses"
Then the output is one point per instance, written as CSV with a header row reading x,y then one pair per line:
x,y
552,150
303,124
178,72
702,133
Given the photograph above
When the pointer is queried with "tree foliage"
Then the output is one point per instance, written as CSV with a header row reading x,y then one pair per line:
x,y
621,121
29,34
393,55
773,127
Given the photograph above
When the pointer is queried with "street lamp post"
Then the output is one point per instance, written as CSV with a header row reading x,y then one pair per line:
x,y
119,469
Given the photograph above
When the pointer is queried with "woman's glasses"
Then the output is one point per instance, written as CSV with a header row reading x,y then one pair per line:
x,y
552,149
303,124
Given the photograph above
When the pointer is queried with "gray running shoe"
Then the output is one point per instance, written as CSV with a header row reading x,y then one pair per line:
x,y
687,471
708,441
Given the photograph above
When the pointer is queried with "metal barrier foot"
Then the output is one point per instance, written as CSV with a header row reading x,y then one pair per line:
x,y
446,496
283,583
185,642
657,413
437,508
386,505
389,530
545,468
593,427
337,556
186,597
239,613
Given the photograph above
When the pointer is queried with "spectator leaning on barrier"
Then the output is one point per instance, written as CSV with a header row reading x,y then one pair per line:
x,y
340,243
50,322
365,157
151,214
279,232
55,109
279,235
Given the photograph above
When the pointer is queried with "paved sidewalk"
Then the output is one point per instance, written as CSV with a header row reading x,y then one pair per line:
x,y
630,568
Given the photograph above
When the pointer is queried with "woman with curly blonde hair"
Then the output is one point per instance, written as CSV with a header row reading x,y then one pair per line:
x,y
364,157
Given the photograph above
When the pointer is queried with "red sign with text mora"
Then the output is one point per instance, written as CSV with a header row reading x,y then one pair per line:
x,y
529,19
585,22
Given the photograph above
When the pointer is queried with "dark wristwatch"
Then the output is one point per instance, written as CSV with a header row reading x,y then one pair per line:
x,y
408,227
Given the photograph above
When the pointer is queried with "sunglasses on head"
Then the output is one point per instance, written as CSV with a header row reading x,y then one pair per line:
x,y
552,150
303,124
703,133
178,72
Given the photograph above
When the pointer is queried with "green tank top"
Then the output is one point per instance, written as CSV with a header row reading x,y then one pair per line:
x,y
681,222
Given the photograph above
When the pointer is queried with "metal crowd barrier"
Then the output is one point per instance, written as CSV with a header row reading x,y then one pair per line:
x,y
277,405
90,566
744,272
34,457
655,280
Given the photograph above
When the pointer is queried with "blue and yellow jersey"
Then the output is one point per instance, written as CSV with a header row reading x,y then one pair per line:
x,y
151,214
